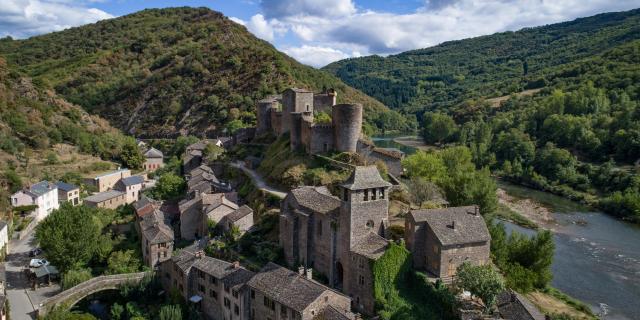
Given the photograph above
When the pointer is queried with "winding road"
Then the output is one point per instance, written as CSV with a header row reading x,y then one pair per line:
x,y
258,181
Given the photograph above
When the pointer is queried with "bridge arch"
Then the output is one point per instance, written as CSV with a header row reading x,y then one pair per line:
x,y
71,296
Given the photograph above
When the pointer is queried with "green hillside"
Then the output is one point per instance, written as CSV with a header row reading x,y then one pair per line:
x,y
161,72
488,66
42,136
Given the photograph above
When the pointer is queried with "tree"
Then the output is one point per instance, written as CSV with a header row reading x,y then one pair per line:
x,y
170,312
482,281
212,151
131,156
116,311
422,190
515,144
169,186
74,277
69,236
123,262
438,127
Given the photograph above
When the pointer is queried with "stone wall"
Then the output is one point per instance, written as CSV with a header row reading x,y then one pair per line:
x,y
361,283
263,115
155,253
322,102
294,101
452,257
276,122
321,139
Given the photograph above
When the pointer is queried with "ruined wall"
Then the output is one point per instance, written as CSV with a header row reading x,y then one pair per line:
x,y
322,102
320,139
263,115
295,128
347,125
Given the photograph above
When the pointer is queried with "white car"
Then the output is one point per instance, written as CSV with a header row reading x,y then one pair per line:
x,y
36,263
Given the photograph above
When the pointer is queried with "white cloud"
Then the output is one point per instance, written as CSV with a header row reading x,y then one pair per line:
x,y
329,28
238,21
260,27
24,18
324,8
317,56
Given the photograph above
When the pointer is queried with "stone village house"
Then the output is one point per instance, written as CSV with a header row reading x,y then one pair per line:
x,y
42,194
153,160
68,192
339,237
440,240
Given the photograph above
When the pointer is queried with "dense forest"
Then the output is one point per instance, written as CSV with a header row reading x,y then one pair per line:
x,y
161,72
488,66
568,121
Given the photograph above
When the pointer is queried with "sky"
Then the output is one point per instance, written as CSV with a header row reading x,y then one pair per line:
x,y
318,32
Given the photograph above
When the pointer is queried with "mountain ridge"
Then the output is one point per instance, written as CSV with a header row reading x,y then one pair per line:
x,y
163,72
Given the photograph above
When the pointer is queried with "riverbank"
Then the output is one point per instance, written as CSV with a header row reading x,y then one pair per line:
x,y
413,142
524,212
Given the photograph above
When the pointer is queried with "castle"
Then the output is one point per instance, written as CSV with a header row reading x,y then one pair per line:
x,y
339,237
293,112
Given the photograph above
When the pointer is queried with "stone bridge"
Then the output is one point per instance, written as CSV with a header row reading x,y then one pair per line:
x,y
71,296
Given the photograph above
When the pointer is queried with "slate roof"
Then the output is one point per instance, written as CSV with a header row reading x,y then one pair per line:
x,y
153,153
42,187
132,180
371,246
110,173
214,200
155,229
238,278
317,199
185,257
287,287
331,313
65,186
365,178
456,225
200,145
103,196
513,306
215,267
239,213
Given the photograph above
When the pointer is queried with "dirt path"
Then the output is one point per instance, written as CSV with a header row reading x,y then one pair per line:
x,y
258,181
497,101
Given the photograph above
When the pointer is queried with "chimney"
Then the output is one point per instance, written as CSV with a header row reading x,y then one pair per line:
x,y
310,273
236,264
301,270
476,210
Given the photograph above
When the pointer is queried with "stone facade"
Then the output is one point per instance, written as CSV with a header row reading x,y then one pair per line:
x,y
223,290
154,160
68,193
157,238
131,187
391,157
108,199
108,180
440,240
297,119
339,236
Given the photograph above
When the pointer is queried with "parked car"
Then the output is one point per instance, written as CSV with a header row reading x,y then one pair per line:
x,y
36,263
35,252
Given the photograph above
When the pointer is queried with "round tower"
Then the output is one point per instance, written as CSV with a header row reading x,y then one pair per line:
x,y
347,125
263,115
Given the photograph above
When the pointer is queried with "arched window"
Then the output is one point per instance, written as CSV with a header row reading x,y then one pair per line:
x,y
370,224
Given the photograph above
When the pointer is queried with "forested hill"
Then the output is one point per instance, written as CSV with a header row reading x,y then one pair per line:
x,y
160,72
484,67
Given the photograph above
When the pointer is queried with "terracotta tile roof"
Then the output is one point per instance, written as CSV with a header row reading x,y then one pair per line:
x,y
287,287
371,246
317,199
365,178
456,225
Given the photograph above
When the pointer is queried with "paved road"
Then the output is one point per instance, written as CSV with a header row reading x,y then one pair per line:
x,y
21,298
258,181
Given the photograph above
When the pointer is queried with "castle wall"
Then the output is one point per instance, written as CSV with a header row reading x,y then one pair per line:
x,y
318,138
295,136
323,102
347,125
276,122
263,115
294,100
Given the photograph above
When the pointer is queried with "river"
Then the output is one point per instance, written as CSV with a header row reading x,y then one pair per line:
x,y
597,257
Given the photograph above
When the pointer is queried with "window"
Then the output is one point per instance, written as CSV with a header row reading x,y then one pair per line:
x,y
227,303
235,294
361,280
201,274
373,194
283,311
236,309
167,275
213,294
253,294
162,245
201,288
212,280
381,193
319,228
370,224
366,194
269,303
345,195
361,263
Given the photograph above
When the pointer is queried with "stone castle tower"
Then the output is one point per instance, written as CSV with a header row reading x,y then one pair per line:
x,y
296,117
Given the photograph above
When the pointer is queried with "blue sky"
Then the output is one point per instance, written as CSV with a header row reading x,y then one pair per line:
x,y
317,32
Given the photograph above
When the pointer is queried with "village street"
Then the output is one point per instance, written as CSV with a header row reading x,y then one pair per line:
x,y
22,299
